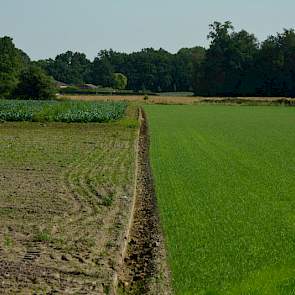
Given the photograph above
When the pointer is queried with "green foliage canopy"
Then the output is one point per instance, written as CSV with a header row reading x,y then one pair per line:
x,y
12,62
120,81
19,77
35,84
102,72
237,65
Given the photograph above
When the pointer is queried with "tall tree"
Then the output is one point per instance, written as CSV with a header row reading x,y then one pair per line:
x,y
12,62
184,65
228,61
276,65
69,67
102,72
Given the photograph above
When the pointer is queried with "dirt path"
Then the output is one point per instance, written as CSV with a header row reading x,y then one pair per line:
x,y
144,269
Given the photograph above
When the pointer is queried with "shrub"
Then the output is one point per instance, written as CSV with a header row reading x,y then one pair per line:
x,y
35,84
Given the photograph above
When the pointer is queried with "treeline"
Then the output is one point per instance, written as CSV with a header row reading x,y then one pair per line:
x,y
149,69
235,64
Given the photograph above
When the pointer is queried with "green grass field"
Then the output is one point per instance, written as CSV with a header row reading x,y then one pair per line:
x,y
225,183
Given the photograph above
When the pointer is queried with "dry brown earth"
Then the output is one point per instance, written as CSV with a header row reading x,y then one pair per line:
x,y
65,195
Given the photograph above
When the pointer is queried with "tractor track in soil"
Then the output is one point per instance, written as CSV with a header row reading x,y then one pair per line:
x,y
143,268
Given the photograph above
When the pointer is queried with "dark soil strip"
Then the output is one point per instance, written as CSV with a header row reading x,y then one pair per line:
x,y
144,269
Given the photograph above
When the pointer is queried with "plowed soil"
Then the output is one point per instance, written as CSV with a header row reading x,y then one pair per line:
x,y
65,197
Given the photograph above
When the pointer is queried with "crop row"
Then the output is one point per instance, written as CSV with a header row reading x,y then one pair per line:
x,y
65,111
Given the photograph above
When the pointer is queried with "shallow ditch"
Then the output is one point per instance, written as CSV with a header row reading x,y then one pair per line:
x,y
144,269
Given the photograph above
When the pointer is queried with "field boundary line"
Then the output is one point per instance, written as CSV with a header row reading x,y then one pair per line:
x,y
144,266
126,236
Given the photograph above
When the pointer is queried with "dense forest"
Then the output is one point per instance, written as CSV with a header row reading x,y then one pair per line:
x,y
235,64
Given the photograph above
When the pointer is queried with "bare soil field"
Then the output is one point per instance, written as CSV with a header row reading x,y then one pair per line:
x,y
65,199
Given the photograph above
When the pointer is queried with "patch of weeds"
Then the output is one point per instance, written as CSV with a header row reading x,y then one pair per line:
x,y
110,245
43,236
129,123
8,242
108,200
106,289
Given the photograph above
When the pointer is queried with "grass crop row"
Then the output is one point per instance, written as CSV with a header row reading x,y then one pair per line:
x,y
61,111
225,185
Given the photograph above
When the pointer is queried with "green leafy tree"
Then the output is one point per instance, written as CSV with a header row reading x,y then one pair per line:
x,y
228,62
102,72
275,65
120,81
185,63
69,67
12,62
35,84
8,82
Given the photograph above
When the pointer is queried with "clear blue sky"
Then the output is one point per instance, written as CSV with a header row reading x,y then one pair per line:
x,y
44,28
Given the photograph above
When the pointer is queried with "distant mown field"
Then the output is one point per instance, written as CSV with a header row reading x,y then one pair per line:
x,y
225,184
